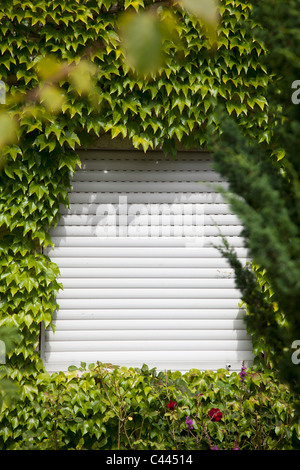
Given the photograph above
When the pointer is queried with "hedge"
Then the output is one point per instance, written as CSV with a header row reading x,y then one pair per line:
x,y
105,407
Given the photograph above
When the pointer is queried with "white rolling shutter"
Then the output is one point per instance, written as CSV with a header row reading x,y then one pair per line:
x,y
143,281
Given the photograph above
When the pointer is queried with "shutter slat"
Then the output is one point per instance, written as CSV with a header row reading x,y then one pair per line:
x,y
143,262
148,302
151,335
145,165
141,346
177,209
210,196
147,176
150,314
146,186
138,156
147,293
157,324
73,241
163,359
158,232
161,282
150,272
141,252
150,220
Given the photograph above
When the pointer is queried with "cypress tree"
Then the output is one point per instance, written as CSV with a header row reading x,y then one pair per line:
x,y
264,181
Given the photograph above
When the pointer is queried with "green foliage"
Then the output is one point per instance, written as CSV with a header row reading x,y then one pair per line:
x,y
67,83
9,391
265,180
103,407
264,345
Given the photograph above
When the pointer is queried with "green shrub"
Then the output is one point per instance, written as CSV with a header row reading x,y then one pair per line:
x,y
108,407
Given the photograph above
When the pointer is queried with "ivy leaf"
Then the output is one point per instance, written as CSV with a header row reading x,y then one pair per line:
x,y
116,130
280,154
261,101
9,171
72,139
137,141
38,189
136,4
70,163
13,151
230,107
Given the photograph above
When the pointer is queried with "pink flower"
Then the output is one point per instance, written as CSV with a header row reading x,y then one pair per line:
x,y
189,423
243,373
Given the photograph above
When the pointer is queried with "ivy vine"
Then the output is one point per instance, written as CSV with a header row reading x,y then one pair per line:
x,y
172,106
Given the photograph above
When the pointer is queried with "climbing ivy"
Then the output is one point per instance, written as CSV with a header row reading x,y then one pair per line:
x,y
53,113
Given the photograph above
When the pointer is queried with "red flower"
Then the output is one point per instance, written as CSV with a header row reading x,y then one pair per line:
x,y
172,405
215,414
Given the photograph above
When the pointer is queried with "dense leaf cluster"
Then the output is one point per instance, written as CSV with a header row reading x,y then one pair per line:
x,y
106,408
267,198
54,113
173,105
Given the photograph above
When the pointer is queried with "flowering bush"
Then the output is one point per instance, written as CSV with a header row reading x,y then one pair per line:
x,y
106,407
